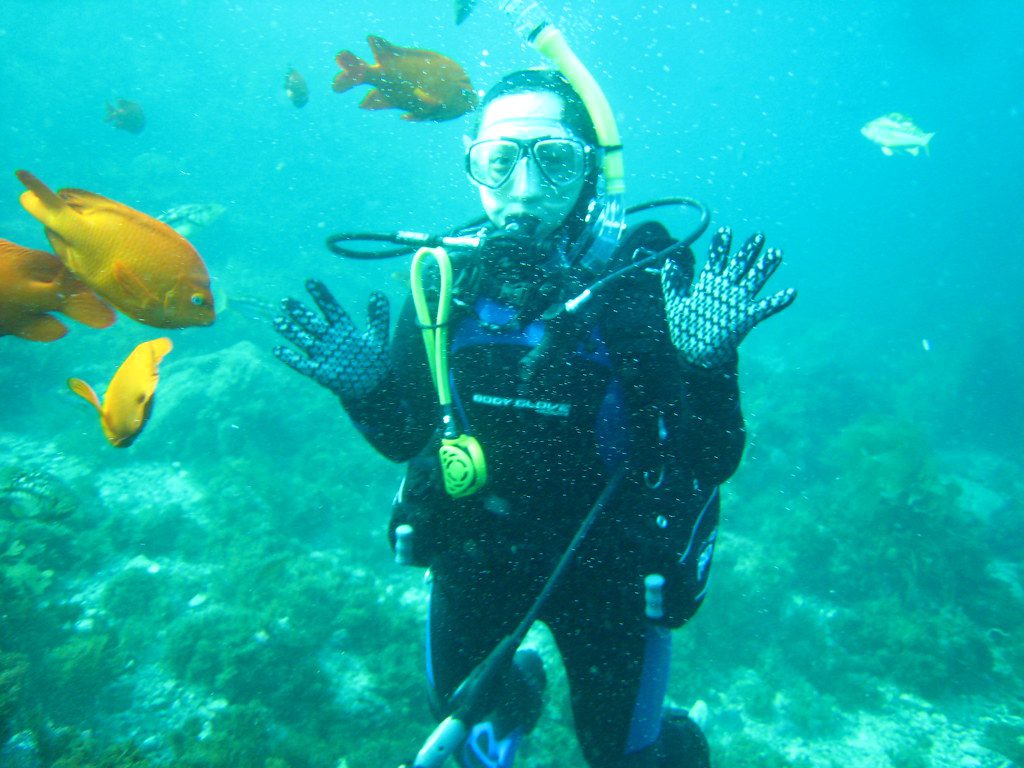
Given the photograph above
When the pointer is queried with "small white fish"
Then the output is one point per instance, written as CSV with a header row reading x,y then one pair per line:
x,y
896,133
186,219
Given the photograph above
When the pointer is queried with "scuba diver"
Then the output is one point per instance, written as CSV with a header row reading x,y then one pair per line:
x,y
627,402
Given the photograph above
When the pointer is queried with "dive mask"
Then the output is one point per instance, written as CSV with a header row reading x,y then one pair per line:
x,y
560,160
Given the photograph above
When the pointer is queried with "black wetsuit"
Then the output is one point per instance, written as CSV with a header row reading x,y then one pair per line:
x,y
606,386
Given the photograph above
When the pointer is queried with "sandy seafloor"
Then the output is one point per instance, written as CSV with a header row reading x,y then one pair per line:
x,y
222,594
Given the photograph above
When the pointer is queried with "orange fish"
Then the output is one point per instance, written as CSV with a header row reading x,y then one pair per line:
x,y
33,284
129,396
126,115
140,265
426,84
295,88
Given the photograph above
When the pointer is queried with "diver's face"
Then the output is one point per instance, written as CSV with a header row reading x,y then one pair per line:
x,y
527,192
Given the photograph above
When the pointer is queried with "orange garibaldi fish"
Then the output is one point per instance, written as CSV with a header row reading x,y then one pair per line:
x,y
426,84
140,265
33,284
129,396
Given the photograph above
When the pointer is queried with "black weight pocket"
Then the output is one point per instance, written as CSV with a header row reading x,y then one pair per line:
x,y
674,536
418,503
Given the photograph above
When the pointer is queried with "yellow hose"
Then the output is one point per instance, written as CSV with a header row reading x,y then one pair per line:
x,y
463,465
435,329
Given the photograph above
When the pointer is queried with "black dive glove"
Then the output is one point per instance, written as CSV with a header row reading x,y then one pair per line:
x,y
708,322
337,356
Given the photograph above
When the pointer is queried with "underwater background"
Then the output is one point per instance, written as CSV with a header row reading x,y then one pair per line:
x,y
222,592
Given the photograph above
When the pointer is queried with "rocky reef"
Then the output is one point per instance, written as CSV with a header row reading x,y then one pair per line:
x,y
222,593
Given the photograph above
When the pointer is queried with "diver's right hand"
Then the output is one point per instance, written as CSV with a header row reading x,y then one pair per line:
x,y
337,356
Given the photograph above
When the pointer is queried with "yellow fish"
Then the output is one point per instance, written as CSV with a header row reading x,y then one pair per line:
x,y
428,85
140,265
129,396
35,283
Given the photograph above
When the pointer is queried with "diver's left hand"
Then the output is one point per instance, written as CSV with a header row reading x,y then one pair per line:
x,y
708,322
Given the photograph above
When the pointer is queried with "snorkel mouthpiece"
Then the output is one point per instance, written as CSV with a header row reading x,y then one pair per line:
x,y
515,244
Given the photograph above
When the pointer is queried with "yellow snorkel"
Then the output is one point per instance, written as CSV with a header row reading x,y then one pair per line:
x,y
462,459
534,25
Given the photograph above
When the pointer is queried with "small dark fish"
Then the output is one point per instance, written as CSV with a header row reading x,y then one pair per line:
x,y
462,9
126,115
34,494
295,87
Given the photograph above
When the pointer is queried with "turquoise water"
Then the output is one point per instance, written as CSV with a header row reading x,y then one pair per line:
x,y
221,593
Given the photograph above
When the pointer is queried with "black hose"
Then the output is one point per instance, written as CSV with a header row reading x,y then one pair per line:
x,y
656,258
467,703
334,241
702,226
409,242
605,497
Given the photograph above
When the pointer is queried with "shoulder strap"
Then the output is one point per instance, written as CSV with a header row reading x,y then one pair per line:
x,y
636,332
